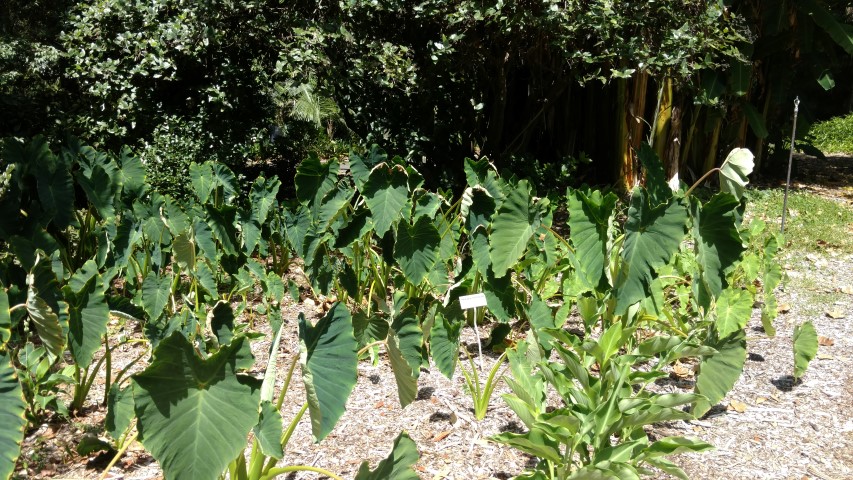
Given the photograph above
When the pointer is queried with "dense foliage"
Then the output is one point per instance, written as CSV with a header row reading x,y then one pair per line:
x,y
85,239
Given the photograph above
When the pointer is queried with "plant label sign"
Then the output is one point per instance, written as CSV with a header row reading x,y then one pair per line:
x,y
472,301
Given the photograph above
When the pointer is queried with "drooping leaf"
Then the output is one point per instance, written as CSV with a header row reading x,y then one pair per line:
x,y
416,249
189,408
718,242
541,317
386,193
222,223
652,237
590,215
87,320
407,383
183,248
263,197
268,431
718,373
314,179
221,321
328,359
360,166
500,296
444,342
516,220
201,178
534,442
805,347
410,338
755,119
740,78
119,411
100,190
132,174
656,182
734,307
56,194
734,174
398,465
47,324
12,417
839,31
155,294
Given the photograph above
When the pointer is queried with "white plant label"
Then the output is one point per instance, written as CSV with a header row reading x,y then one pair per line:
x,y
472,301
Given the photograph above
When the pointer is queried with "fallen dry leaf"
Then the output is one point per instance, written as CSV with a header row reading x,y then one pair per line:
x,y
737,406
783,308
835,313
441,436
825,341
682,371
823,356
848,289
760,400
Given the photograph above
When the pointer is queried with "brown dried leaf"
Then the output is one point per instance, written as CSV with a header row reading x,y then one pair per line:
x,y
825,341
682,371
835,313
783,308
737,406
441,436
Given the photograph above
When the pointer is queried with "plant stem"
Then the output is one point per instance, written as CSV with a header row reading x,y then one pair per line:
x,y
298,468
124,446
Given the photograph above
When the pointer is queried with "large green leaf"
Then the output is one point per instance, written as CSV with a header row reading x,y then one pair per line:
x,y
100,190
652,237
263,197
47,324
222,223
734,307
718,374
314,179
221,321
155,294
541,317
183,249
56,193
805,347
840,32
410,338
194,414
119,411
398,464
201,178
132,174
12,419
590,214
87,320
328,355
360,166
734,173
656,182
407,383
444,341
718,242
516,220
416,249
386,193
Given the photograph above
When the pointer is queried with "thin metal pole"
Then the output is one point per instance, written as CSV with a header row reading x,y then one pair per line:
x,y
790,160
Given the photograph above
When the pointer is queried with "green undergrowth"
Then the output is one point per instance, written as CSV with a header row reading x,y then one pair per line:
x,y
834,135
813,224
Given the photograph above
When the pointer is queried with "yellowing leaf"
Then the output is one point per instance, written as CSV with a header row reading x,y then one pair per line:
x,y
737,406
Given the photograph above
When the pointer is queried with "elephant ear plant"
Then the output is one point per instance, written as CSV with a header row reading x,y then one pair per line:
x,y
195,410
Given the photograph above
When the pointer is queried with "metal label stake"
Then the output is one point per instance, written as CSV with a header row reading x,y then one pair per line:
x,y
473,301
790,160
